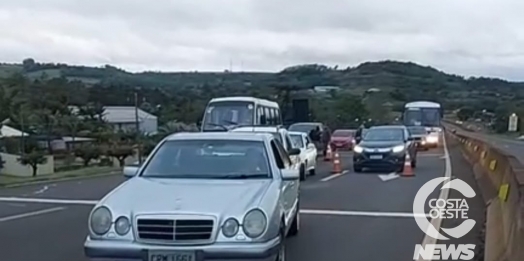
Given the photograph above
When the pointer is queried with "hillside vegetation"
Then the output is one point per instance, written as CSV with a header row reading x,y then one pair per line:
x,y
399,82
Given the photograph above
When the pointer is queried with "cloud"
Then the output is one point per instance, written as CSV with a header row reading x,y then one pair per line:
x,y
469,37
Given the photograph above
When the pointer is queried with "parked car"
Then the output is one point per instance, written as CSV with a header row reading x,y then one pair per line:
x,y
384,147
306,127
201,196
308,153
420,136
343,139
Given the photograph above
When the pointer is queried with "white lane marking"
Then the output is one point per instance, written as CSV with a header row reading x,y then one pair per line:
x,y
444,194
49,201
41,190
31,214
388,177
334,176
360,213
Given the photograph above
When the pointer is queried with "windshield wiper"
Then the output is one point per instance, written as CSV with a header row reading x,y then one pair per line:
x,y
242,176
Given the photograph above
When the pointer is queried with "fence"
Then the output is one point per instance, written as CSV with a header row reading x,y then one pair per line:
x,y
500,178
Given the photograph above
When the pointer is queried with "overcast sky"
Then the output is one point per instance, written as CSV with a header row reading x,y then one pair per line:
x,y
467,37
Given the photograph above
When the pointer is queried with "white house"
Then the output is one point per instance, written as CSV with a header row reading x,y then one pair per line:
x,y
123,118
7,131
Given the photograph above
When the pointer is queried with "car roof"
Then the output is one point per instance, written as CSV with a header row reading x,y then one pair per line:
x,y
388,127
297,133
307,123
257,129
247,136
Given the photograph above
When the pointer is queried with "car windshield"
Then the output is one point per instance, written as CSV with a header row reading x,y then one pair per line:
x,y
297,141
384,135
418,130
209,159
228,114
303,127
343,133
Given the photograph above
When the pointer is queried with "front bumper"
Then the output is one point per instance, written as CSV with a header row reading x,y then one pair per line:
x,y
338,145
389,160
106,249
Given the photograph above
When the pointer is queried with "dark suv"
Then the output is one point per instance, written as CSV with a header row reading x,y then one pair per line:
x,y
384,147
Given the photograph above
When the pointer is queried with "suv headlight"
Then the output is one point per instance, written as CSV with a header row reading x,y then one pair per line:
x,y
358,149
254,223
230,227
101,220
398,148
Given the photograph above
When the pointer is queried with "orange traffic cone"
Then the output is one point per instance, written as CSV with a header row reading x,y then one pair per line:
x,y
408,170
329,154
336,164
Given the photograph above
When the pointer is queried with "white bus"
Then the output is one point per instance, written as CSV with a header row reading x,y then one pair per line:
x,y
423,113
234,111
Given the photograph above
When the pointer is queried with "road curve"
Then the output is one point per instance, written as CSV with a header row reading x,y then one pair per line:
x,y
344,218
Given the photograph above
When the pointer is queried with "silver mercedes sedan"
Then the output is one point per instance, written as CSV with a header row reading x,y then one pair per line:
x,y
201,196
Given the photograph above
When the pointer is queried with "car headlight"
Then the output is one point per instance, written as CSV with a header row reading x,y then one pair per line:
x,y
254,223
432,139
101,220
398,148
230,227
122,225
358,149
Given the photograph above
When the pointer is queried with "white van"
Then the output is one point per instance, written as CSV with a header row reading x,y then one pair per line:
x,y
224,113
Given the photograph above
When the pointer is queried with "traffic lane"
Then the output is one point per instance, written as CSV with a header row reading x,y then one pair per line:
x,y
91,189
325,168
60,236
476,207
343,238
367,192
52,236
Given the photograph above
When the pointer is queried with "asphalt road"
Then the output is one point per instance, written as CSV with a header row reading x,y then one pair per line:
x,y
345,217
512,147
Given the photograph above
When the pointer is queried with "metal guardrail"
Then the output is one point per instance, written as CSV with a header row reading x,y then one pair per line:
x,y
500,177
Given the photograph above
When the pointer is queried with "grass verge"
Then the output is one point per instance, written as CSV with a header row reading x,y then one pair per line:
x,y
8,180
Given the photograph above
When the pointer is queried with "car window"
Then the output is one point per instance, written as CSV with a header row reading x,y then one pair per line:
x,y
209,159
417,130
308,140
298,141
283,153
289,143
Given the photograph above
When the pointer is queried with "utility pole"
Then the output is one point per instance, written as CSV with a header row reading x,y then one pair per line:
x,y
137,125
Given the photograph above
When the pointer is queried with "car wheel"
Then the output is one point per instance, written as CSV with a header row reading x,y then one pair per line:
x,y
302,173
281,255
295,225
312,172
357,169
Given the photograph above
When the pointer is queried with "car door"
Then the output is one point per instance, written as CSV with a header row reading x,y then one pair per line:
x,y
290,188
311,151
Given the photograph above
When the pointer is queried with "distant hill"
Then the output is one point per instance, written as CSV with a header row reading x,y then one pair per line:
x,y
403,80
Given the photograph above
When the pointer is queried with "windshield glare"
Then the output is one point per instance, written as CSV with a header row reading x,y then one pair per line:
x,y
343,133
228,114
209,159
384,135
297,141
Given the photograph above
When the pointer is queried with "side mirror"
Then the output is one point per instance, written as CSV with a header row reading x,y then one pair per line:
x,y
130,171
293,152
290,174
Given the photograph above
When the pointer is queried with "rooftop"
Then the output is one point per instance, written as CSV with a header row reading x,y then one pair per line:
x,y
122,114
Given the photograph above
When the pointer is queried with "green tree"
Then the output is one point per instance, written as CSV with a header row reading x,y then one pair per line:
x,y
465,113
88,153
120,152
33,159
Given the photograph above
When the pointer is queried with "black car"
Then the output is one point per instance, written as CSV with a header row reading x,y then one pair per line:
x,y
384,147
419,134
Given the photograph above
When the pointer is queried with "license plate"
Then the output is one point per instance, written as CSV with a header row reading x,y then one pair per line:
x,y
375,157
171,256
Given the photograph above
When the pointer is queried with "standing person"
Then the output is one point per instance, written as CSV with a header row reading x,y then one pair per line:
x,y
358,133
326,137
314,134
